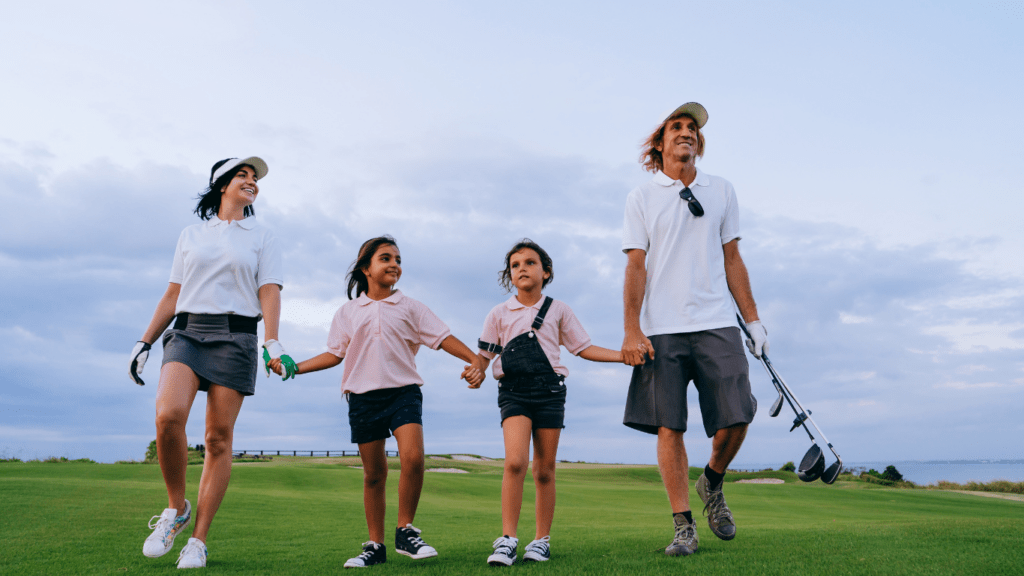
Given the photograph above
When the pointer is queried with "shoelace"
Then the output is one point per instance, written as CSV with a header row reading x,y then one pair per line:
x,y
686,531
716,504
195,551
367,550
414,539
161,522
505,545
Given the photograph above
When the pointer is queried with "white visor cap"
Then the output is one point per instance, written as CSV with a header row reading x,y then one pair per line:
x,y
255,161
692,109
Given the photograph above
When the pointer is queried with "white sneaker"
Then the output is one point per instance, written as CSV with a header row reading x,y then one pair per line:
x,y
504,551
538,550
165,527
193,555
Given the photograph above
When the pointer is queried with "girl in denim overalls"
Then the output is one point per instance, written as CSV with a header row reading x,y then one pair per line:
x,y
525,333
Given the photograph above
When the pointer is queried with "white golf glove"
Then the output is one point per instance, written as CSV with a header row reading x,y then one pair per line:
x,y
758,343
272,349
138,361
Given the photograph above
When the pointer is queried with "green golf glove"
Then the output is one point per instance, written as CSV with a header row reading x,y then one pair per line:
x,y
272,349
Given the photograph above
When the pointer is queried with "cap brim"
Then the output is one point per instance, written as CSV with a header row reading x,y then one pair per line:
x,y
692,109
256,162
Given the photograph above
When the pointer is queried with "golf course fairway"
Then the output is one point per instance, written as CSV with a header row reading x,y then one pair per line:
x,y
305,516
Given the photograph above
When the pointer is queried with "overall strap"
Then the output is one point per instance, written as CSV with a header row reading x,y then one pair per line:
x,y
539,320
488,347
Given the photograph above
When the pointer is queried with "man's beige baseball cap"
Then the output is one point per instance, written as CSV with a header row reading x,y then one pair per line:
x,y
693,109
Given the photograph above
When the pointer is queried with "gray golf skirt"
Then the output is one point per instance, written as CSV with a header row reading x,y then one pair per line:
x,y
218,348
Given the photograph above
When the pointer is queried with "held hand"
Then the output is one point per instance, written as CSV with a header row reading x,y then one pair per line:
x,y
473,375
634,347
758,343
140,353
275,365
273,350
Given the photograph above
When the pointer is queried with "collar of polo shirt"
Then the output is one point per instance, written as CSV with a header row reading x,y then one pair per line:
x,y
364,300
513,303
663,179
246,223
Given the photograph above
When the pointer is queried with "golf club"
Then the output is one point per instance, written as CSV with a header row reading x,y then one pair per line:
x,y
812,466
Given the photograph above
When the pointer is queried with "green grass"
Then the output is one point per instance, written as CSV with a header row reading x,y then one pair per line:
x,y
303,516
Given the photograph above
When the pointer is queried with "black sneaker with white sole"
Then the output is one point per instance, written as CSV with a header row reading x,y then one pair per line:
x,y
504,551
409,543
538,550
373,553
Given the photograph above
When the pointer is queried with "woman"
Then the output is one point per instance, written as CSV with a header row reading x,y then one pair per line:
x,y
225,277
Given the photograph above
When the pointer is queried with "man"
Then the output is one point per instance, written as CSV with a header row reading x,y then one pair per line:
x,y
681,237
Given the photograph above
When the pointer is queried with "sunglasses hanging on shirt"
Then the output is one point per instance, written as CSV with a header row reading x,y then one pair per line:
x,y
695,208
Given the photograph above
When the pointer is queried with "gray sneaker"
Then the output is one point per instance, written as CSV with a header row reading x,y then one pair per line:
x,y
685,542
719,516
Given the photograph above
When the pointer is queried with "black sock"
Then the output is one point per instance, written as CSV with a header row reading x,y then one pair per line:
x,y
714,478
688,515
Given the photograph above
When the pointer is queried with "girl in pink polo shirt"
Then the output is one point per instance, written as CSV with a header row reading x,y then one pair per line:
x,y
525,333
379,332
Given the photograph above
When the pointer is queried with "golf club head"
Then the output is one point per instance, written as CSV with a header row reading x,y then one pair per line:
x,y
776,407
832,472
812,465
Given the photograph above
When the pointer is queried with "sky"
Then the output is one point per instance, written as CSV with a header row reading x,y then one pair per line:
x,y
874,148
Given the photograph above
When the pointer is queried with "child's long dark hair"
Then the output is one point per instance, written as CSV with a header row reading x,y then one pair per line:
x,y
209,199
505,276
356,278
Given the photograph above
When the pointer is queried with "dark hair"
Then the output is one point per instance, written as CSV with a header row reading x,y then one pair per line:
x,y
505,276
209,199
356,278
651,158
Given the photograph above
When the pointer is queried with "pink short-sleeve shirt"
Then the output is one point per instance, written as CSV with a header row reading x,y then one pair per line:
x,y
560,328
379,340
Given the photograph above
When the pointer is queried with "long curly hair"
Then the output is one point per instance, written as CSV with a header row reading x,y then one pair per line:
x,y
650,157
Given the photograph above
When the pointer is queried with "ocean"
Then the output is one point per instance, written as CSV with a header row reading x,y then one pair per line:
x,y
931,471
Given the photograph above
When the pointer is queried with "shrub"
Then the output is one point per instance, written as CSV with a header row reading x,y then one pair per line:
x,y
788,467
891,473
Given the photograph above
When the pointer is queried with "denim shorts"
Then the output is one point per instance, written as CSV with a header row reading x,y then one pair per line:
x,y
539,398
376,414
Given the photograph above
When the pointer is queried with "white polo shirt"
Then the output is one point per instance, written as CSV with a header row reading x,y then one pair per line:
x,y
686,288
379,339
560,328
221,266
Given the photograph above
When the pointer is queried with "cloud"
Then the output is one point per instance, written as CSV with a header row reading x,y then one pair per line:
x,y
866,336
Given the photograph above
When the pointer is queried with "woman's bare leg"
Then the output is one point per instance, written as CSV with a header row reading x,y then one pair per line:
x,y
174,396
222,407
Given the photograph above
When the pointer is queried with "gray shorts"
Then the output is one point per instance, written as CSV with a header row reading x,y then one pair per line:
x,y
717,364
214,353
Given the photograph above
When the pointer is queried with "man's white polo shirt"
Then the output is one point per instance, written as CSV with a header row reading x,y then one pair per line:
x,y
686,288
221,266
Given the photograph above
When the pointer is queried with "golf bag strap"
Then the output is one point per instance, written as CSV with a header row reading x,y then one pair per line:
x,y
539,320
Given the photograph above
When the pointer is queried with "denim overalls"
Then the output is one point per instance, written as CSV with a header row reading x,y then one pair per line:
x,y
529,381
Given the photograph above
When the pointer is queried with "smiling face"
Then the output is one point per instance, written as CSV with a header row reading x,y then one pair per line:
x,y
680,142
385,267
242,188
528,273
